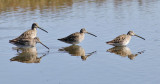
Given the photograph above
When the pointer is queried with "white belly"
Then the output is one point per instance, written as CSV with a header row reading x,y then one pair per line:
x,y
80,39
124,43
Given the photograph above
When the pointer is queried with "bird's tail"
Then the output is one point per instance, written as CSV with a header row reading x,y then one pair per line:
x,y
60,39
12,41
109,42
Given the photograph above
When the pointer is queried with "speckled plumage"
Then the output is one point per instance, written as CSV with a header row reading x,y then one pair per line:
x,y
27,42
75,38
31,33
123,40
27,34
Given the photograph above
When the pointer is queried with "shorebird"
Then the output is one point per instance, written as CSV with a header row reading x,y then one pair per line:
x,y
76,38
123,40
27,42
31,33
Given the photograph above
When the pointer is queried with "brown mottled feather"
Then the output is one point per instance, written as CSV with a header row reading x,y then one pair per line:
x,y
24,41
26,34
118,39
70,38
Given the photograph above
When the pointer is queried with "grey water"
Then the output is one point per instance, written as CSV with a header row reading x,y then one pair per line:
x,y
90,62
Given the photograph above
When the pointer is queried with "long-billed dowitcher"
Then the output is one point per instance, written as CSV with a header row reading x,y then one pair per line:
x,y
76,38
27,42
31,33
123,40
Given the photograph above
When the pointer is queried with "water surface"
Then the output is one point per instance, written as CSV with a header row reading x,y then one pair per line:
x,y
89,62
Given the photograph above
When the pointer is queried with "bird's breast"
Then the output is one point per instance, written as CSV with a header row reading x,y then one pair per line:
x,y
33,34
126,40
81,37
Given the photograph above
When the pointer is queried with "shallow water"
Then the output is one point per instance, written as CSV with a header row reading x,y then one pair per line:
x,y
90,62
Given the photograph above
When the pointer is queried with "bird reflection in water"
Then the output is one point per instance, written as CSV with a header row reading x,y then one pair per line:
x,y
124,51
27,55
76,50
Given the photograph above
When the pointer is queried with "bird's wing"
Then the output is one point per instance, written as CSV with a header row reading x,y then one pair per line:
x,y
71,37
118,39
23,41
26,34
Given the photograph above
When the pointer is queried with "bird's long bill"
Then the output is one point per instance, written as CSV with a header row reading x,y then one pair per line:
x,y
140,37
43,45
91,34
43,29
